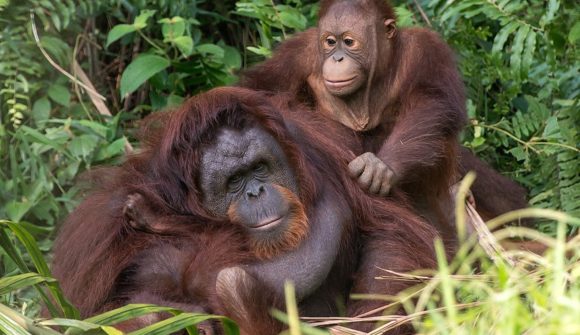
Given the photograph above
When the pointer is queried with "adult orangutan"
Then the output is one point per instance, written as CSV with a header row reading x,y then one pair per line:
x,y
245,192
400,93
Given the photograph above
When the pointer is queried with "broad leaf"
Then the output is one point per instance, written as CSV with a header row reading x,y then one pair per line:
x,y
184,44
59,94
141,20
119,31
141,69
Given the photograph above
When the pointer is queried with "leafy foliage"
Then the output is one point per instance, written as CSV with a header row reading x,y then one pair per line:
x,y
274,22
519,59
12,322
519,293
520,63
46,137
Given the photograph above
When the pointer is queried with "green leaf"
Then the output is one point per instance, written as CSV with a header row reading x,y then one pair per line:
x,y
502,36
99,128
574,34
31,247
111,330
9,326
119,31
550,14
68,172
518,153
126,313
478,141
404,16
172,28
59,94
174,100
552,129
114,149
11,249
62,10
56,22
141,69
37,258
232,58
456,9
518,48
471,109
56,47
291,17
260,51
184,44
530,48
69,323
80,327
176,323
12,322
13,283
36,136
82,146
211,49
141,20
41,109
17,209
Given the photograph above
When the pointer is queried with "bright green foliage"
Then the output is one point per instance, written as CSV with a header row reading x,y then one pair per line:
x,y
520,61
38,276
274,22
511,292
520,293
46,134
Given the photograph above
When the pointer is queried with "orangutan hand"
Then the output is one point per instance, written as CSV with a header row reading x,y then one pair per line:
x,y
372,174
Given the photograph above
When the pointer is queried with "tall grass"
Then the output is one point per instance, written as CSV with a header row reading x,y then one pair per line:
x,y
519,292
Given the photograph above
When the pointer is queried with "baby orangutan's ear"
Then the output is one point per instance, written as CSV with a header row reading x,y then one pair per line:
x,y
390,28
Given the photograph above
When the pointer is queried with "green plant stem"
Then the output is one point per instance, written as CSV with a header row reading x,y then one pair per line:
x,y
565,146
511,16
460,218
532,213
153,44
507,133
292,308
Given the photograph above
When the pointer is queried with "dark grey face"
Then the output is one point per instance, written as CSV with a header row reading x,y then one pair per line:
x,y
246,177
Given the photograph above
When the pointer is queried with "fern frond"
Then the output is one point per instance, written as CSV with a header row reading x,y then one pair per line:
x,y
569,163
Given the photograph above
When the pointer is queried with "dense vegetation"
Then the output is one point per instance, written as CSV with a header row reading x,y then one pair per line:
x,y
77,75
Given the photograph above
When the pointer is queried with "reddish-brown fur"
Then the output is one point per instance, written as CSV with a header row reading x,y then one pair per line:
x,y
419,94
264,249
103,263
494,194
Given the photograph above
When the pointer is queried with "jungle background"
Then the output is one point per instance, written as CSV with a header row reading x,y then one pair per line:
x,y
76,77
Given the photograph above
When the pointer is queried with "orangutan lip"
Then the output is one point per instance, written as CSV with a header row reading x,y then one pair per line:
x,y
339,83
268,222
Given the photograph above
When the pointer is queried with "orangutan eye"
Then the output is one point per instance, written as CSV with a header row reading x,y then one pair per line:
x,y
330,41
349,42
234,181
260,167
